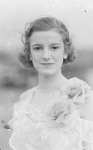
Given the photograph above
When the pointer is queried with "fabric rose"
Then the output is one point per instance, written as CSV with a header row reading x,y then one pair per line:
x,y
61,113
77,91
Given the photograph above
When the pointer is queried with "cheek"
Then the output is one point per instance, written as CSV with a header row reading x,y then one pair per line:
x,y
59,57
35,57
35,60
35,63
59,60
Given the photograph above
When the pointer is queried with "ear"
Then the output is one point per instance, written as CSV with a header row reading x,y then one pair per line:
x,y
65,56
30,58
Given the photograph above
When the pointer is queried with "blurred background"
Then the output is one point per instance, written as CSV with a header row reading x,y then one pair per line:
x,y
14,78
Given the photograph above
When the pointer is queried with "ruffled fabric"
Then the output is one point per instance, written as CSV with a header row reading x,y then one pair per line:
x,y
77,91
60,128
19,109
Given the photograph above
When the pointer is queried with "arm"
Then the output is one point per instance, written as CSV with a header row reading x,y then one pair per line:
x,y
17,113
86,111
82,96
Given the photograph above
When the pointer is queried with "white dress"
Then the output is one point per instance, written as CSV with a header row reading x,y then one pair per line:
x,y
60,127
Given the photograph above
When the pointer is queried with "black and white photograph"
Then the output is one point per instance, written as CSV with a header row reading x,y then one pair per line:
x,y
46,74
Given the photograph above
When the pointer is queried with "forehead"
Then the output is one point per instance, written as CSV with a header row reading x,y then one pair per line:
x,y
45,36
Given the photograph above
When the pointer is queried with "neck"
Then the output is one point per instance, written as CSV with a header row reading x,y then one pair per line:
x,y
51,82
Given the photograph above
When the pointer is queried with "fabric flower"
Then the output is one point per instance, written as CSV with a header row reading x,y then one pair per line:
x,y
64,112
77,91
61,112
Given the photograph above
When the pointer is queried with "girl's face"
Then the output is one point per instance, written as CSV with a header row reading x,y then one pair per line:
x,y
47,52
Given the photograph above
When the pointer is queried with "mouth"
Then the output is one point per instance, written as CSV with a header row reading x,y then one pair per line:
x,y
46,64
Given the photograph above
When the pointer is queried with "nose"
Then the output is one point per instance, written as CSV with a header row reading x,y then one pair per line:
x,y
46,54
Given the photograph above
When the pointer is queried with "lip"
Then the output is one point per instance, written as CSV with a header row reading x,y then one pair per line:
x,y
46,63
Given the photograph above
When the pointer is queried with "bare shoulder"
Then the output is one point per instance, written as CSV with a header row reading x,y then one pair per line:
x,y
26,93
22,99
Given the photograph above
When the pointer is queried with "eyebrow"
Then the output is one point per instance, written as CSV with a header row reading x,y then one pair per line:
x,y
55,44
41,44
36,45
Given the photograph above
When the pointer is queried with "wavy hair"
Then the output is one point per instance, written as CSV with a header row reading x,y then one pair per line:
x,y
46,24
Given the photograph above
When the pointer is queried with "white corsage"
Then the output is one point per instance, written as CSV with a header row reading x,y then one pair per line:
x,y
77,91
62,114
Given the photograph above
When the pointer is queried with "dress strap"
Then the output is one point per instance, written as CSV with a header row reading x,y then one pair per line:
x,y
29,97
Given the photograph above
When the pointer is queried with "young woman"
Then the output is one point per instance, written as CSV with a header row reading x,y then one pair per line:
x,y
57,113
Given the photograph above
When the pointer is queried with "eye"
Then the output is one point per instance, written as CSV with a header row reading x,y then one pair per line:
x,y
55,47
37,48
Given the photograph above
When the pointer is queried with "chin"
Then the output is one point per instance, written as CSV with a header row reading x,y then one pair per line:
x,y
48,72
